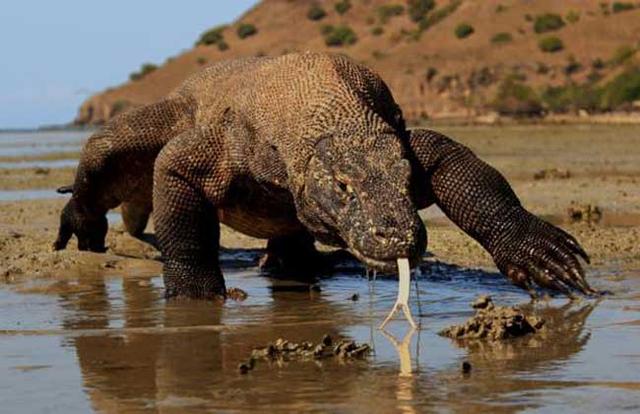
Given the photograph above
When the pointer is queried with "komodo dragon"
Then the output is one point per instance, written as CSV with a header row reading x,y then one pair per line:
x,y
294,149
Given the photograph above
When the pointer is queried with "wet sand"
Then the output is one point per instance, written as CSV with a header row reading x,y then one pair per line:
x,y
86,331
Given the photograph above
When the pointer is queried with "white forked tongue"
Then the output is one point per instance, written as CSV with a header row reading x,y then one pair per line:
x,y
404,286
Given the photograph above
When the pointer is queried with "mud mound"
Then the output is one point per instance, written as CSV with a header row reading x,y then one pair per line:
x,y
494,323
283,350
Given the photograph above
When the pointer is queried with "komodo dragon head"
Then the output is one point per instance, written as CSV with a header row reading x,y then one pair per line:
x,y
358,190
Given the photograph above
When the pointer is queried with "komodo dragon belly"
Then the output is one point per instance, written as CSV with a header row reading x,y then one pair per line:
x,y
261,211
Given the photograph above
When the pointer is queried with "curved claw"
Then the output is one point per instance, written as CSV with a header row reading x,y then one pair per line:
x,y
518,277
575,272
572,244
538,253
544,279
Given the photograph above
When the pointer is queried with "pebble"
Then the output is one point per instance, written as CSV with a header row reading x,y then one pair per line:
x,y
466,367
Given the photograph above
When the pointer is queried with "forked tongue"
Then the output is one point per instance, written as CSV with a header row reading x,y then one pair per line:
x,y
404,287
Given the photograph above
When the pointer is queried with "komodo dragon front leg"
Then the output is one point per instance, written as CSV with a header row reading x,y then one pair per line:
x,y
480,201
191,179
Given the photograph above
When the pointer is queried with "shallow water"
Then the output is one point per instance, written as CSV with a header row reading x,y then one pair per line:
x,y
63,163
114,344
30,143
29,194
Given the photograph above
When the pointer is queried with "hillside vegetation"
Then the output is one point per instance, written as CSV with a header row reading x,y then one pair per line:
x,y
441,58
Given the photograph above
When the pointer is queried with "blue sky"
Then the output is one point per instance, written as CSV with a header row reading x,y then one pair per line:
x,y
53,54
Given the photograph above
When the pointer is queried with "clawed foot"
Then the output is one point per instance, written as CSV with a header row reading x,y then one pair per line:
x,y
535,252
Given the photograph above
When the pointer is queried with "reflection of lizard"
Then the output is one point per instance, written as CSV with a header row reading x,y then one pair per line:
x,y
294,149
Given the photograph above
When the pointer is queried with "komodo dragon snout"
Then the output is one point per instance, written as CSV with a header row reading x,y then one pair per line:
x,y
363,196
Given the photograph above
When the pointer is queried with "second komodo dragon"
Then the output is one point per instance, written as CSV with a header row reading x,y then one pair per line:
x,y
294,149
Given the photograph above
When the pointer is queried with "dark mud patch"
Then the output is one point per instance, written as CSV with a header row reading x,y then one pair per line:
x,y
494,323
282,350
588,213
552,173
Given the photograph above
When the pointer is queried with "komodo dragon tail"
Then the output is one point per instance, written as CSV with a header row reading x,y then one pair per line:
x,y
65,189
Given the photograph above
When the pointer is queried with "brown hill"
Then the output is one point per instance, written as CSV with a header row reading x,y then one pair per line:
x,y
431,71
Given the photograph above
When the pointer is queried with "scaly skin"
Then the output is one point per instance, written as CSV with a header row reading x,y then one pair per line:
x,y
299,148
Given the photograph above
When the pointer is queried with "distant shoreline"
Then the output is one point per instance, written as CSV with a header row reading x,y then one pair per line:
x,y
49,128
612,118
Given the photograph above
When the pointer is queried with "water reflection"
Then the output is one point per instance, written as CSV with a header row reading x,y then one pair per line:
x,y
139,351
179,364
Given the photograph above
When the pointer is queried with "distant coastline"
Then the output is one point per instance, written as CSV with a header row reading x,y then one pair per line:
x,y
54,127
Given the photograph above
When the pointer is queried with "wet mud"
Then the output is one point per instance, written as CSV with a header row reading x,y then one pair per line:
x,y
494,323
83,331
281,351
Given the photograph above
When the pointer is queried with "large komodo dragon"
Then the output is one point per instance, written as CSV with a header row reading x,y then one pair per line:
x,y
294,149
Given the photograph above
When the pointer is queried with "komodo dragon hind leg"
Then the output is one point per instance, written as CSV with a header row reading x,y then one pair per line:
x,y
296,255
135,216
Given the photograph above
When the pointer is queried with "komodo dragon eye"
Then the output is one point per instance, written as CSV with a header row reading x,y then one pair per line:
x,y
343,184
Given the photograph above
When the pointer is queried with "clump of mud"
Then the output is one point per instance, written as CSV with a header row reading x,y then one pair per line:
x,y
552,173
283,350
494,323
584,213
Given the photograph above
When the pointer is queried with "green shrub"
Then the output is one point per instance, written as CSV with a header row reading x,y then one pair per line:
x,y
572,97
316,12
620,6
500,8
201,60
463,30
326,29
342,6
622,55
222,46
387,11
516,98
340,35
573,16
481,77
439,14
594,76
377,31
211,36
501,38
542,68
145,69
572,66
624,88
550,44
598,64
245,30
378,55
418,9
547,22
119,106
